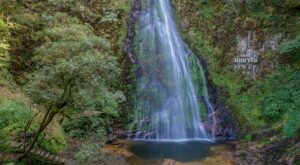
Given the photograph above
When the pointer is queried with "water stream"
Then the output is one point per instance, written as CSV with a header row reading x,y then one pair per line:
x,y
172,99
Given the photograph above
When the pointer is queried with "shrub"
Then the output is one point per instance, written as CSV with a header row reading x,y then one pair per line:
x,y
84,126
54,140
89,153
13,118
291,49
14,112
282,101
291,123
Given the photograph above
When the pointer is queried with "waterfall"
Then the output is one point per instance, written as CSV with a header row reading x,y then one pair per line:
x,y
171,94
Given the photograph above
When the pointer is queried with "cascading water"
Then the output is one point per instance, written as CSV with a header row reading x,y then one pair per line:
x,y
172,98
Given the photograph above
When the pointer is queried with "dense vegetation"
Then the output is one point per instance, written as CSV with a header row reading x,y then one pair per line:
x,y
64,82
271,100
62,68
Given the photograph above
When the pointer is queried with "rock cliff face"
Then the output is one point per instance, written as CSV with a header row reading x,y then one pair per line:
x,y
239,46
225,128
130,37
249,52
238,49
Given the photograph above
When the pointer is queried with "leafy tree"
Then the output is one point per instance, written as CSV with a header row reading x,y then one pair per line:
x,y
74,71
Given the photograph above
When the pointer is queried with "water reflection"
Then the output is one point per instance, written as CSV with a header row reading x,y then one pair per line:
x,y
179,151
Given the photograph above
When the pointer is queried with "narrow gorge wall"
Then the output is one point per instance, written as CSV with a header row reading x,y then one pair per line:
x,y
241,44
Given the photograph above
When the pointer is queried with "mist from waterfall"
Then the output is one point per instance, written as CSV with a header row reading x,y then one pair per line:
x,y
171,96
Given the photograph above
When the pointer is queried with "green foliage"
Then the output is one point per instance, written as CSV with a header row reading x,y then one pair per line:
x,y
282,101
211,28
246,5
85,126
291,123
12,112
61,2
247,138
92,11
231,84
14,163
292,48
13,118
56,50
89,153
74,69
54,141
4,47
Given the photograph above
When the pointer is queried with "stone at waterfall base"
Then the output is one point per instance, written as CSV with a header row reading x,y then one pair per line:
x,y
225,128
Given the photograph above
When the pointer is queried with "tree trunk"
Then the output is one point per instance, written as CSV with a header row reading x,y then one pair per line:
x,y
46,121
27,127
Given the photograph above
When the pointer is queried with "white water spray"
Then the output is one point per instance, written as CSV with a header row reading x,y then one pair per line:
x,y
168,87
